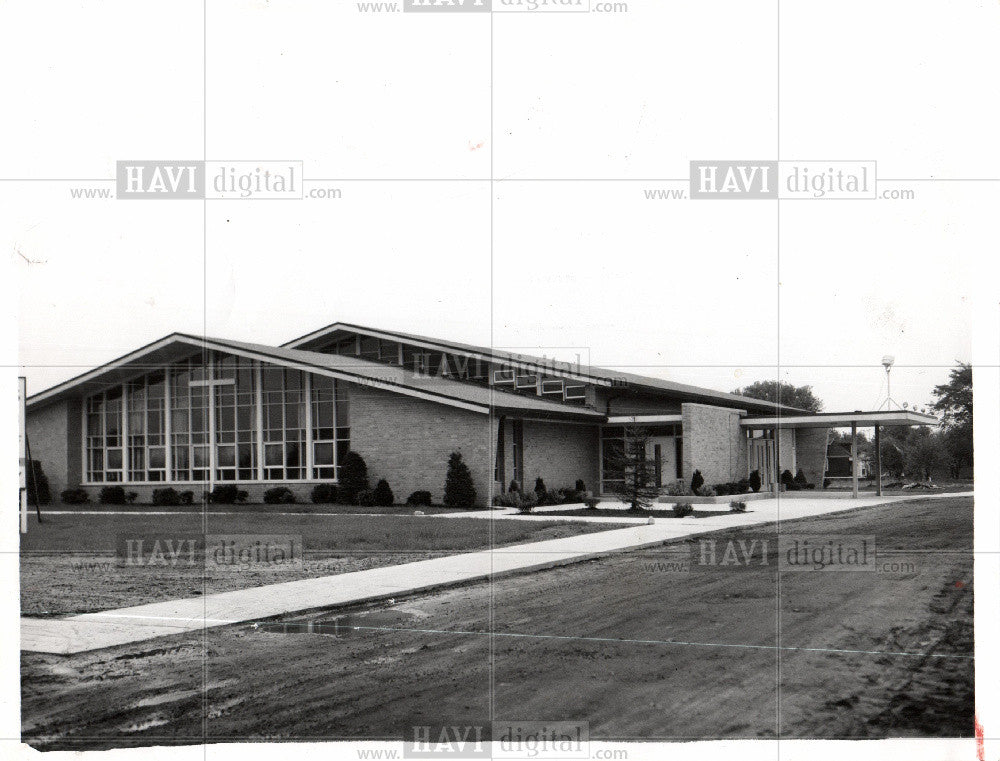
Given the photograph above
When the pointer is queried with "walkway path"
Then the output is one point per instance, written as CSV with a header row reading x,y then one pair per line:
x,y
92,631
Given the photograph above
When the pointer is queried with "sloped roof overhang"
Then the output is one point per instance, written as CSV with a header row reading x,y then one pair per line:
x,y
177,346
588,374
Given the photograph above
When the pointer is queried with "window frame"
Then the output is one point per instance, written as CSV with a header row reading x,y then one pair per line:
x,y
206,442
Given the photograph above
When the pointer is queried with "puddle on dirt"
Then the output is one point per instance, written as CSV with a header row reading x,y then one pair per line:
x,y
342,625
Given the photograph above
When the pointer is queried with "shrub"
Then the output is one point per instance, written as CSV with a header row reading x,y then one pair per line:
x,y
353,477
225,494
279,495
800,480
737,507
568,496
527,502
678,489
788,481
458,488
112,495
744,485
366,498
580,485
38,484
514,486
705,491
419,498
682,509
697,481
324,494
186,497
168,497
754,481
545,496
383,494
74,497
523,502
730,487
131,496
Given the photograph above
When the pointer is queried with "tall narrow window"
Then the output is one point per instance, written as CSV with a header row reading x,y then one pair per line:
x,y
156,437
342,418
95,438
517,450
498,465
137,430
235,419
323,433
180,423
284,424
114,456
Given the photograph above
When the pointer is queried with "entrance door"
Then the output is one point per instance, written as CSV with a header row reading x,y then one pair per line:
x,y
662,452
762,459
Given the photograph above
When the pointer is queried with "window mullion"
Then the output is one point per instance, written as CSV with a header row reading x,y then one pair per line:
x,y
307,391
167,430
210,391
259,417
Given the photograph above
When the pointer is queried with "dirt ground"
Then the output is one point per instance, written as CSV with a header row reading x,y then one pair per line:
x,y
634,644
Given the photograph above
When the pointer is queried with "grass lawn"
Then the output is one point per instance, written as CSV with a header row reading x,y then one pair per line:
x,y
636,648
69,563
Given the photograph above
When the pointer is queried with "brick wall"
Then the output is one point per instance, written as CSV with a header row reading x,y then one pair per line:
x,y
811,453
560,453
407,441
54,437
713,443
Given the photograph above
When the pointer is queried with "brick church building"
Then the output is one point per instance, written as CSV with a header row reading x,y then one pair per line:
x,y
190,411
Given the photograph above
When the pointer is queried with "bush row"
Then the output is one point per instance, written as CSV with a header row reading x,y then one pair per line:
x,y
353,489
697,487
541,495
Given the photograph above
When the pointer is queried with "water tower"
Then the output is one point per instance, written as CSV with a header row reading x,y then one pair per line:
x,y
887,362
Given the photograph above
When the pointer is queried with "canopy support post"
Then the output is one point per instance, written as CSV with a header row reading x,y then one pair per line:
x,y
854,460
878,460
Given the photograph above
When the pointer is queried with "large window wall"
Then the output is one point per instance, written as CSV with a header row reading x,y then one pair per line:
x,y
220,418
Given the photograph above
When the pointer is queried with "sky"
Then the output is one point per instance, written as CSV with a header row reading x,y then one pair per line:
x,y
563,253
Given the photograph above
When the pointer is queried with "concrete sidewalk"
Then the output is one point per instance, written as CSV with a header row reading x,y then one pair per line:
x,y
92,631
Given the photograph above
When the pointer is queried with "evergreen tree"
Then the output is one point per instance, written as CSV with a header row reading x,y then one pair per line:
x,y
458,488
633,473
383,494
353,477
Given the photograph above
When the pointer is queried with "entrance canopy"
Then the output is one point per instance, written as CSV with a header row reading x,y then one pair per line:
x,y
853,420
840,420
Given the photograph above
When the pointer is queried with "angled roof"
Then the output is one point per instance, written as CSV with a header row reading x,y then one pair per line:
x,y
598,375
176,346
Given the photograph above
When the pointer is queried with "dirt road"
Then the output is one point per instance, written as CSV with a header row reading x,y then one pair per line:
x,y
636,645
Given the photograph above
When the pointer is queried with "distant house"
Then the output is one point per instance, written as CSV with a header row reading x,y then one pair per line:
x,y
838,461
